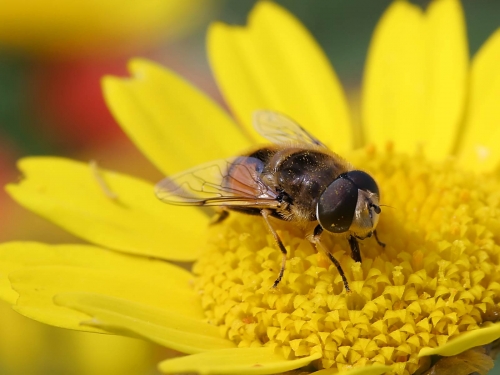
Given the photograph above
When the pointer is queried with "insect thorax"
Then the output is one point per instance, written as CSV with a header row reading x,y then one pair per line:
x,y
301,175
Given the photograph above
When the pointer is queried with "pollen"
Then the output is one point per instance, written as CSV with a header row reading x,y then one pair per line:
x,y
437,277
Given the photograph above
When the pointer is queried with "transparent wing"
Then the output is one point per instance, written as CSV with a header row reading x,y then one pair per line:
x,y
225,182
280,129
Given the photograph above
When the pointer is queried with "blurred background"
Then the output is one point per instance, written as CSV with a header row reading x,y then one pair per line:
x,y
52,56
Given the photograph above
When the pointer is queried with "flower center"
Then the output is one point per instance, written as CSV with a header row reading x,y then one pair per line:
x,y
437,277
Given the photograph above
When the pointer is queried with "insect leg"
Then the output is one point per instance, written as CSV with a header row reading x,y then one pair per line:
x,y
315,239
355,253
378,241
265,215
219,217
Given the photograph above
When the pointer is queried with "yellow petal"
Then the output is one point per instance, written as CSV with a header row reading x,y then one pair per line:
x,y
172,123
91,354
7,294
392,105
415,79
38,272
274,63
76,197
170,329
465,341
235,361
447,70
479,147
375,369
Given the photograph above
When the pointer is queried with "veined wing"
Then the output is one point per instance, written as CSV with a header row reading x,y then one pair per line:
x,y
280,129
224,182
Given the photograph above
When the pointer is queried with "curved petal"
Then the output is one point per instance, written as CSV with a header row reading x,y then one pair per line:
x,y
170,329
274,63
7,294
447,70
415,78
479,146
172,123
392,106
91,354
375,369
78,198
235,361
38,272
465,341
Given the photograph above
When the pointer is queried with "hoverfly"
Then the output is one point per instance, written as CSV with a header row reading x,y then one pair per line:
x,y
297,179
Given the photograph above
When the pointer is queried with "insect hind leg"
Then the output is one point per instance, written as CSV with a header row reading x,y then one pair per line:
x,y
277,239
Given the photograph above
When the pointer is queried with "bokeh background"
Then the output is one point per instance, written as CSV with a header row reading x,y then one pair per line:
x,y
52,56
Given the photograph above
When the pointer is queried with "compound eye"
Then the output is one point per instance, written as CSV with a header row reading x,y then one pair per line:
x,y
363,181
336,206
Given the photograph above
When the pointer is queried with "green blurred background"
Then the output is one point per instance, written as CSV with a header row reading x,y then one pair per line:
x,y
50,104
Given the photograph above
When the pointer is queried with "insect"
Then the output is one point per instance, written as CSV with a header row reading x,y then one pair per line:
x,y
297,178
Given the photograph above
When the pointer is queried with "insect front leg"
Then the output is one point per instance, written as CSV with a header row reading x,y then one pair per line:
x,y
277,239
376,238
355,253
315,239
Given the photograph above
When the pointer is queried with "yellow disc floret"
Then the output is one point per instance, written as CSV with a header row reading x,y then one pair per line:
x,y
438,276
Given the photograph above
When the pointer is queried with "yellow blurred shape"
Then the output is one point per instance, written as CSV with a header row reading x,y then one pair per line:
x,y
60,27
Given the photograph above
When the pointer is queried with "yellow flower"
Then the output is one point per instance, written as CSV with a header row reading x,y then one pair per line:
x,y
432,291
59,27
